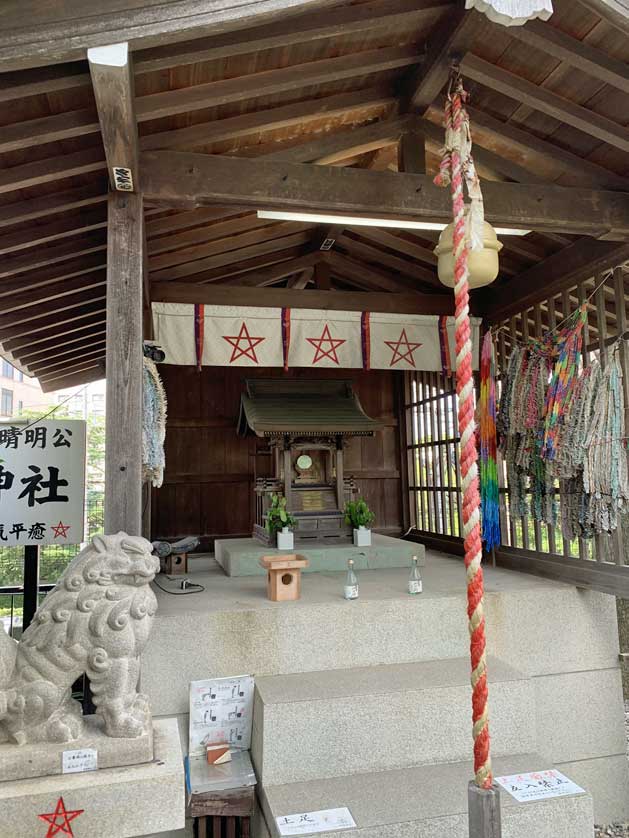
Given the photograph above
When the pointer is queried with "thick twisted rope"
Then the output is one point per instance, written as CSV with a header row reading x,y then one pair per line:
x,y
454,170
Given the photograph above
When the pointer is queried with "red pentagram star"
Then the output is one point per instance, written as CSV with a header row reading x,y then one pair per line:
x,y
249,350
61,530
65,817
407,355
333,345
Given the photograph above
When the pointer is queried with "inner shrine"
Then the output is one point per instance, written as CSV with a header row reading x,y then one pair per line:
x,y
308,425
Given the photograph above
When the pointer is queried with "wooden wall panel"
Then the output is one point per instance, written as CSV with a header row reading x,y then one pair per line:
x,y
210,471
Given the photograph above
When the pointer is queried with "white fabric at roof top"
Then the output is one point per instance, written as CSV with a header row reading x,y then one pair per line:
x,y
512,12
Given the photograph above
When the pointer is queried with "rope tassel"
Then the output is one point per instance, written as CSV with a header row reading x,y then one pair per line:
x,y
457,166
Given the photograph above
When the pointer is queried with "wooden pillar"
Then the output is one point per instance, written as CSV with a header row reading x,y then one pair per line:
x,y
288,494
412,153
340,477
123,458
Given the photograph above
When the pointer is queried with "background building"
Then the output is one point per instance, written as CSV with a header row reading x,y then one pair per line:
x,y
18,392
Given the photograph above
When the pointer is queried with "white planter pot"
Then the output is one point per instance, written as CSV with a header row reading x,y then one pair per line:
x,y
285,539
362,537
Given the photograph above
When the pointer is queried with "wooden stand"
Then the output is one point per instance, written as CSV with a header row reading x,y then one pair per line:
x,y
174,565
223,814
283,576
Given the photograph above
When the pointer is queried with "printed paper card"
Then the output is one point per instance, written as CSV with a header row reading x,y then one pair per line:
x,y
538,785
309,823
221,710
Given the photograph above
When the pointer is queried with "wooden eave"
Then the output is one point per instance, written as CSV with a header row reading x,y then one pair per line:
x,y
353,85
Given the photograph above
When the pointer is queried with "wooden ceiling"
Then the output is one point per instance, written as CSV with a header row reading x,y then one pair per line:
x,y
353,84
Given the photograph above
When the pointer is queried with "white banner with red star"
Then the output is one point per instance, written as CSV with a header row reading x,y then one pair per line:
x,y
276,337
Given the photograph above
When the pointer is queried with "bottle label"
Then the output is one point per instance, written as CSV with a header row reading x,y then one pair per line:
x,y
350,591
415,586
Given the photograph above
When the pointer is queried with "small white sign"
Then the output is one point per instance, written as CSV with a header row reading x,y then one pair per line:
x,y
538,785
308,823
74,762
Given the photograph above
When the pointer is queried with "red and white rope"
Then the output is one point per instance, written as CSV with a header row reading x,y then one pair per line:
x,y
454,170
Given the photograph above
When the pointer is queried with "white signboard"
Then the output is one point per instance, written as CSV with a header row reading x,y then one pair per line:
x,y
307,823
221,711
42,482
538,785
75,762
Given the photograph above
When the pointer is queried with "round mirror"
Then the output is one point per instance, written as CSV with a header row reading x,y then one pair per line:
x,y
304,462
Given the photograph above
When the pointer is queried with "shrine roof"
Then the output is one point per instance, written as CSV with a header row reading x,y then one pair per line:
x,y
272,407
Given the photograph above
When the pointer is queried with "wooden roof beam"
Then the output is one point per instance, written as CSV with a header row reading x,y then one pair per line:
x,y
579,54
544,100
305,29
63,346
94,372
200,266
273,273
585,170
270,119
21,135
485,157
53,332
576,263
91,351
452,38
185,179
180,292
615,12
114,90
68,32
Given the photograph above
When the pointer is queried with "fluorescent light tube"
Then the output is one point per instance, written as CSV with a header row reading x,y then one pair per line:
x,y
365,221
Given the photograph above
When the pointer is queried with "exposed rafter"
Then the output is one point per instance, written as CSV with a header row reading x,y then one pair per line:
x,y
452,38
579,54
578,262
69,33
545,101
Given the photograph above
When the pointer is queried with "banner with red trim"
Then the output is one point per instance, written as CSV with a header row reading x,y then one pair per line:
x,y
248,336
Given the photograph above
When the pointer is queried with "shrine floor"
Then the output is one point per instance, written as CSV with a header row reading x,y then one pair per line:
x,y
241,556
366,703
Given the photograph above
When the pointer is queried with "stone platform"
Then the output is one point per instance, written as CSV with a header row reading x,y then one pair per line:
x,y
327,670
112,803
22,762
240,556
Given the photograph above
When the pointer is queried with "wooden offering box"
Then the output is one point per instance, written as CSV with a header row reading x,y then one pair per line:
x,y
283,579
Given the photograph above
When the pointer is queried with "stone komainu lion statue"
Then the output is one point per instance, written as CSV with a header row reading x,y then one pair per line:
x,y
95,621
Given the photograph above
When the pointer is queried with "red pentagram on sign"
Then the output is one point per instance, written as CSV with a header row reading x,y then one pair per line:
x,y
407,354
59,820
248,350
333,345
61,530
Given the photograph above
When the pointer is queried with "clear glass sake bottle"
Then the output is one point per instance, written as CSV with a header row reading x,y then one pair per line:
x,y
415,585
350,589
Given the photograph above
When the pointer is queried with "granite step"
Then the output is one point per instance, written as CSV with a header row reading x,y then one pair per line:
x,y
324,724
427,801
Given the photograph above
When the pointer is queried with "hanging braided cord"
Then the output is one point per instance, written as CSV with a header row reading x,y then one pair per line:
x,y
456,167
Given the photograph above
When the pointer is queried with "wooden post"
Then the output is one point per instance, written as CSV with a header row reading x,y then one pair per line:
x,y
123,466
484,812
412,153
288,467
340,477
31,584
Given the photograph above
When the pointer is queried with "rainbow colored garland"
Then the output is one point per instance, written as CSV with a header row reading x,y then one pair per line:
x,y
489,490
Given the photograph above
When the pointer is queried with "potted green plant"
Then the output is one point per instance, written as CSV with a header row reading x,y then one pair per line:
x,y
358,514
279,522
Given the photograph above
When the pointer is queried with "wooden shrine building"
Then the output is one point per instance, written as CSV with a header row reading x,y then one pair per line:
x,y
236,154
307,424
